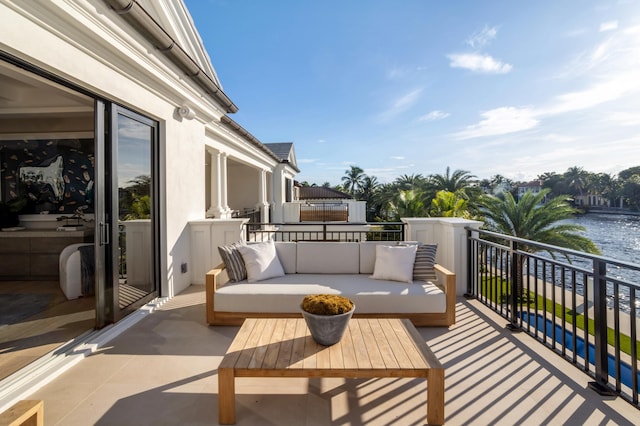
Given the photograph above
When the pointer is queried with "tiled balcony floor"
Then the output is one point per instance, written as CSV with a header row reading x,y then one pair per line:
x,y
162,371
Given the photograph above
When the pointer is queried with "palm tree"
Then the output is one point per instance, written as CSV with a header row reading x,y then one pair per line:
x,y
449,204
352,180
530,219
576,179
631,192
368,193
610,187
408,203
500,184
414,181
459,182
381,202
452,182
140,208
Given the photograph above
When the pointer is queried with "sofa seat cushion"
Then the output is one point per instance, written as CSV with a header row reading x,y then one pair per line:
x,y
284,294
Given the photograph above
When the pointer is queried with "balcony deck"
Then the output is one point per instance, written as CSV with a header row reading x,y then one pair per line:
x,y
162,370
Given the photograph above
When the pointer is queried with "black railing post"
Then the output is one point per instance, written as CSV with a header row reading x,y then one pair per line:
x,y
470,275
513,274
601,352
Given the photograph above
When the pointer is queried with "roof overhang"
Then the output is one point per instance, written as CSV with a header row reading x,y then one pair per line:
x,y
141,20
239,130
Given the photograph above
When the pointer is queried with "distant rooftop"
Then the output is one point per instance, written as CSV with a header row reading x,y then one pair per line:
x,y
321,193
532,184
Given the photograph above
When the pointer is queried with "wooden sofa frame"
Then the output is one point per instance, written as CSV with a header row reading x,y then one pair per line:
x,y
446,281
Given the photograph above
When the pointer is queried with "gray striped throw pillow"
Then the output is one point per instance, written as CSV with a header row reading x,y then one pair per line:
x,y
423,267
233,261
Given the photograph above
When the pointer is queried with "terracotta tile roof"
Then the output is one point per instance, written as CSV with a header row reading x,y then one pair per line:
x,y
321,193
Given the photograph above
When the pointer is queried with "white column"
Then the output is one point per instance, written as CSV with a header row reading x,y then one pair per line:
x,y
224,185
214,209
278,193
262,204
218,164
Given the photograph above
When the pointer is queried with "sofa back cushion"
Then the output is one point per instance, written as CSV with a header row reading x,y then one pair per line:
x,y
233,261
368,254
328,258
287,254
261,261
424,266
395,263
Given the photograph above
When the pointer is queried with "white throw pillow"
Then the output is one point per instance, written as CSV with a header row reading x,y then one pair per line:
x,y
394,263
261,261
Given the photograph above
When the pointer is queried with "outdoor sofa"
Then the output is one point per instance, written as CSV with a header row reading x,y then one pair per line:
x,y
362,271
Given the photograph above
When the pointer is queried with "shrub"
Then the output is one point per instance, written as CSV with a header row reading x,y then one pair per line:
x,y
326,304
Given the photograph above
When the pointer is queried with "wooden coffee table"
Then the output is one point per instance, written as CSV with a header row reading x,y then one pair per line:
x,y
371,347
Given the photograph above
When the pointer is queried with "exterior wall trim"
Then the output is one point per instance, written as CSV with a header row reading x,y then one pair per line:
x,y
139,18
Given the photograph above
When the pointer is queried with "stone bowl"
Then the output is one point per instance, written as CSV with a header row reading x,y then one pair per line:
x,y
327,330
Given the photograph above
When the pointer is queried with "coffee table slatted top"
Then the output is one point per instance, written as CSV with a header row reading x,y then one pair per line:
x,y
371,347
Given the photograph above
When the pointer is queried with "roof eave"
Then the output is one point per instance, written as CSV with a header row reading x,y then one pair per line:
x,y
139,18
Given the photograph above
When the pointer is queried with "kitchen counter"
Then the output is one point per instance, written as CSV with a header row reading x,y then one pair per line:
x,y
32,254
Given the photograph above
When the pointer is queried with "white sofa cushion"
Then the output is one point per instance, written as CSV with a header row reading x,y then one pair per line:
x,y
368,254
328,258
395,263
284,294
261,261
287,254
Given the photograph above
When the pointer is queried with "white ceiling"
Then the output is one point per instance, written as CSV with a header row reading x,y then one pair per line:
x,y
24,94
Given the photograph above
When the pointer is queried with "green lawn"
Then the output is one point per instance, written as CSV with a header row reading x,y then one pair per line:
x,y
495,289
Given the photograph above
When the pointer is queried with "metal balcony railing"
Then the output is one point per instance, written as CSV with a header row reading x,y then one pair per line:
x,y
254,215
375,231
583,307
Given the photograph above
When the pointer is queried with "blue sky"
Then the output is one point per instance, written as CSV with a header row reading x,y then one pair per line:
x,y
413,86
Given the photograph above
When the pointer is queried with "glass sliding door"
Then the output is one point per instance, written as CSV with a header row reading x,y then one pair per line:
x,y
128,226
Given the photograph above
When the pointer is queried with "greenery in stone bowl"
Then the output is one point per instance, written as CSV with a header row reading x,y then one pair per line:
x,y
326,304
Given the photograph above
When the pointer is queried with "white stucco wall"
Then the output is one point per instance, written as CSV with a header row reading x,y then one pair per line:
x,y
244,186
92,47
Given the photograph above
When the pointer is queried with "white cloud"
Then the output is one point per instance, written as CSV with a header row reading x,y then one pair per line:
x,y
396,73
131,130
618,51
320,141
576,32
434,115
478,63
482,37
608,26
624,118
401,104
558,138
307,160
624,84
500,121
399,157
612,66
